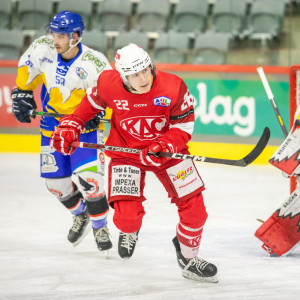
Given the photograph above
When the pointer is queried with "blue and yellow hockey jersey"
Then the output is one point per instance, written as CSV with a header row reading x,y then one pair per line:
x,y
63,83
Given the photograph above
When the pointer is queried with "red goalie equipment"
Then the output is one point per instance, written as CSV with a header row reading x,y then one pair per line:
x,y
280,234
287,157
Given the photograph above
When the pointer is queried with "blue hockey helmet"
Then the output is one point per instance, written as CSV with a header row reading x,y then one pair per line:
x,y
67,22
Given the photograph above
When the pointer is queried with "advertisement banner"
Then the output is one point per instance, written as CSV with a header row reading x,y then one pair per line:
x,y
222,107
237,107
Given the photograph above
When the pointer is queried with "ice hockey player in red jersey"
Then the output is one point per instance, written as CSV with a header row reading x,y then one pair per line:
x,y
280,233
152,111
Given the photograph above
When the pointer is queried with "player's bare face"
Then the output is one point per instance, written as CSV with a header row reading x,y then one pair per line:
x,y
141,81
61,42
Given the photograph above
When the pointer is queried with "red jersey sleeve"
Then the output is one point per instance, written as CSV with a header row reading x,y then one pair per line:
x,y
181,119
90,105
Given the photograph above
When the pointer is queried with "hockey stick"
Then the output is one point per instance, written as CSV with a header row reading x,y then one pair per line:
x,y
243,162
266,85
34,113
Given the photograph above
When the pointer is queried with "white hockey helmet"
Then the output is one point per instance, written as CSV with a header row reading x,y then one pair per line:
x,y
131,59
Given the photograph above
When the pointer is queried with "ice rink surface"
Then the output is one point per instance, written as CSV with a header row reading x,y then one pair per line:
x,y
37,261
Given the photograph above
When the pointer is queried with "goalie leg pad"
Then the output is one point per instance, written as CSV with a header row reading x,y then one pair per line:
x,y
281,232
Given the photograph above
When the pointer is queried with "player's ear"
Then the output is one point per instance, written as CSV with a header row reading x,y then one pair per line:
x,y
75,38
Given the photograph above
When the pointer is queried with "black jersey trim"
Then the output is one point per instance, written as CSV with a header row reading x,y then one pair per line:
x,y
191,111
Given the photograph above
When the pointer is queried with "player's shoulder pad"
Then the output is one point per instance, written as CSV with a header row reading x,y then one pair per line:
x,y
169,77
110,77
94,58
170,81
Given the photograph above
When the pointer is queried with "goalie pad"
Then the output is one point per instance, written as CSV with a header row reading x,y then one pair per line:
x,y
280,234
287,157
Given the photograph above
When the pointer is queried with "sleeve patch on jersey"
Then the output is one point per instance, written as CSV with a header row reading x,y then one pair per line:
x,y
99,64
191,111
81,73
162,101
43,40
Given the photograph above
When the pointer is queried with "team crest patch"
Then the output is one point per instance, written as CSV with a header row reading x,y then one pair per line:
x,y
162,101
81,73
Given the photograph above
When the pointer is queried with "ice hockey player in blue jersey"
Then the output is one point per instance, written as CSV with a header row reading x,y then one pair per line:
x,y
66,69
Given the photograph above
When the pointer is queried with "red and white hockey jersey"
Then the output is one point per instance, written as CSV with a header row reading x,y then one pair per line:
x,y
138,119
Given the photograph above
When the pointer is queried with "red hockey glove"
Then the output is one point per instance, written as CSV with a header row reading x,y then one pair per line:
x,y
68,131
150,155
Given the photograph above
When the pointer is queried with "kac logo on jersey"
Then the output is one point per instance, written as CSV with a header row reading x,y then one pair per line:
x,y
81,73
145,127
162,101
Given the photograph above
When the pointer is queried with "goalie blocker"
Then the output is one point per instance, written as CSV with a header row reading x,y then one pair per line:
x,y
280,233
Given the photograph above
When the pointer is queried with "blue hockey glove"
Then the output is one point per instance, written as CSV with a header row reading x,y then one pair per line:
x,y
22,102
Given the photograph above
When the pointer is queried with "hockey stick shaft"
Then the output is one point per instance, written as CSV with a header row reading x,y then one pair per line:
x,y
266,85
55,115
243,162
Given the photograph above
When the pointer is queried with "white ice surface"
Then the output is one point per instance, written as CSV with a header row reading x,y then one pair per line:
x,y
37,261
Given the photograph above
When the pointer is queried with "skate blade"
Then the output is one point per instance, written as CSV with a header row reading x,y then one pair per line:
x,y
86,231
104,254
192,276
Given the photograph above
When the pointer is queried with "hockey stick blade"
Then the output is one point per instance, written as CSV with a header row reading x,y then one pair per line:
x,y
34,113
243,162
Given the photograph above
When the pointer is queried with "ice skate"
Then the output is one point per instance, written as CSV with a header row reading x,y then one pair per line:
x,y
102,240
195,268
81,227
127,242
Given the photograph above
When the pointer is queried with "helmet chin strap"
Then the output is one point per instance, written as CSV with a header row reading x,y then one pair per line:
x,y
126,82
71,46
130,88
128,85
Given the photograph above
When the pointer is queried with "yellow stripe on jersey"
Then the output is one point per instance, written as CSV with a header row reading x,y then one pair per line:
x,y
67,107
24,83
